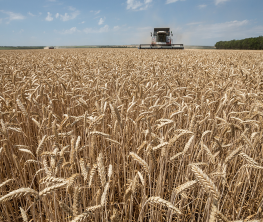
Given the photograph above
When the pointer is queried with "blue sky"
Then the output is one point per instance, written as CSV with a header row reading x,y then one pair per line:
x,y
103,22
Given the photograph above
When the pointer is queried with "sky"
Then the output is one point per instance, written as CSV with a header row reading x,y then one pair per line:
x,y
121,22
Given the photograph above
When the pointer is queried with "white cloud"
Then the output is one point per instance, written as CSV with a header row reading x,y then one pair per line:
x,y
115,28
72,15
69,31
101,21
172,1
29,13
202,6
57,15
82,22
101,30
138,5
13,16
95,12
49,17
147,1
145,28
194,23
232,29
220,1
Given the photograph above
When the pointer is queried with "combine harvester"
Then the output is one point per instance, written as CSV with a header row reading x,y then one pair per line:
x,y
161,39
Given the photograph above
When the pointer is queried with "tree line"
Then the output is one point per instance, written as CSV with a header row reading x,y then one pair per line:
x,y
248,43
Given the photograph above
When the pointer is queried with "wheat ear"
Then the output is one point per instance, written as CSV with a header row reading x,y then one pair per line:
x,y
141,161
76,201
19,192
115,217
175,138
248,158
101,169
21,107
52,188
66,208
6,182
159,200
212,217
23,213
87,213
84,171
205,181
189,144
184,186
92,172
104,195
233,154
40,145
109,172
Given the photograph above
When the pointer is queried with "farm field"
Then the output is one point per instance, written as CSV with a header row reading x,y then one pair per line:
x,y
131,135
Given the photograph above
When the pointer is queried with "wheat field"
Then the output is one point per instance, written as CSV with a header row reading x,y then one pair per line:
x,y
131,135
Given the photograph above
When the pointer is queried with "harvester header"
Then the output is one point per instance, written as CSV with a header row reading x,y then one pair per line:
x,y
161,39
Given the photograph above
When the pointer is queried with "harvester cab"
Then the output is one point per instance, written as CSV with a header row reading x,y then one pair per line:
x,y
161,39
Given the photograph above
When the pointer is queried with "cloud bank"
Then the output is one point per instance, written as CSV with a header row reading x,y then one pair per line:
x,y
138,5
220,1
49,17
172,1
13,16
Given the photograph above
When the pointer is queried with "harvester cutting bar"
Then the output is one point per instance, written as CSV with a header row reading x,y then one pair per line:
x,y
150,46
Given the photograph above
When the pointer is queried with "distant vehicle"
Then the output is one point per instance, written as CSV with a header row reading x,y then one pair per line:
x,y
161,39
51,47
